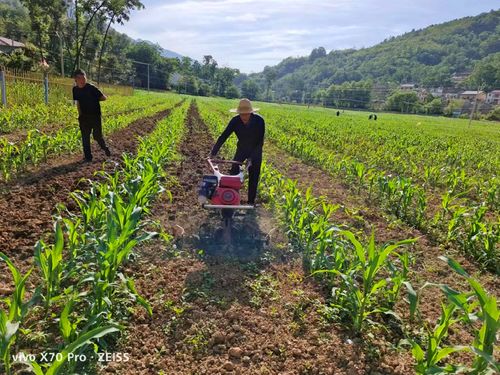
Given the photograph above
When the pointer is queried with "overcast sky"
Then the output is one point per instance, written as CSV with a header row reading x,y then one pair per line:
x,y
249,35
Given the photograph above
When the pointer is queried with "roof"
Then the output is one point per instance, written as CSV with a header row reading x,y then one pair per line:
x,y
495,92
471,92
11,43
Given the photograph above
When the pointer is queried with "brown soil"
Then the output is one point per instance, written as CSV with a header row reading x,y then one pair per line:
x,y
28,203
247,308
357,212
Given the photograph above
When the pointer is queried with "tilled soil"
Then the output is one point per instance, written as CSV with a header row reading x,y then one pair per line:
x,y
359,213
28,203
241,309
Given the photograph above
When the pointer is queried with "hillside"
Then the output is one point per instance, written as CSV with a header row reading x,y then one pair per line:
x,y
427,57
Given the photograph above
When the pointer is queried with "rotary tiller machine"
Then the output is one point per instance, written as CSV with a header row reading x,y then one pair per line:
x,y
222,192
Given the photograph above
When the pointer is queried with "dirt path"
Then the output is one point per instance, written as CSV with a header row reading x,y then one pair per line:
x,y
245,310
28,203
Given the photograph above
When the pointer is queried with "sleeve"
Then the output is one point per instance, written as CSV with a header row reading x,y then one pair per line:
x,y
75,96
263,133
98,93
222,138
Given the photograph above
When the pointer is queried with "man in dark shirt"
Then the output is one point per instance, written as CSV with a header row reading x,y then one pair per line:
x,y
249,128
87,98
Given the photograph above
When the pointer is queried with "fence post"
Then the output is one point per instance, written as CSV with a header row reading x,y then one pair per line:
x,y
3,87
46,87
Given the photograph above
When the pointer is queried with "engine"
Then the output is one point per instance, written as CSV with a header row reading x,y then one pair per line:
x,y
223,192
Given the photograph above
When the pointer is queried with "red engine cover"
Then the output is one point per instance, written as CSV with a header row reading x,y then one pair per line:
x,y
232,182
226,196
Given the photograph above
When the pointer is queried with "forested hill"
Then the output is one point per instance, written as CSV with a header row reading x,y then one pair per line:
x,y
428,57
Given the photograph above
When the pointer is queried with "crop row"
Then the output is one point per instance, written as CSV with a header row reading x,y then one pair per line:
x,y
38,146
84,295
63,112
366,280
473,227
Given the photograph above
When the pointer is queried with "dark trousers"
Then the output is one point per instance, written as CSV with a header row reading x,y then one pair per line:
x,y
90,125
253,173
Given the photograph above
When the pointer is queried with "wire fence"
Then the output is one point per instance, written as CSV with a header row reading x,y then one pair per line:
x,y
21,87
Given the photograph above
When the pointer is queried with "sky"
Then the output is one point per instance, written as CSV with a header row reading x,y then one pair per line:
x,y
250,34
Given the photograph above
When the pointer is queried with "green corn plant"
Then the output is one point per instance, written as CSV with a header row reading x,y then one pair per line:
x,y
85,339
49,258
362,291
420,217
431,175
8,333
18,308
429,355
67,327
488,314
358,170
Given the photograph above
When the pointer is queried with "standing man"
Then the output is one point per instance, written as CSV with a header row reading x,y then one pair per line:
x,y
88,98
249,128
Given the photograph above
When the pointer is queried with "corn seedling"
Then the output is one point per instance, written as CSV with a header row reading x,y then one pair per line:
x,y
362,291
49,258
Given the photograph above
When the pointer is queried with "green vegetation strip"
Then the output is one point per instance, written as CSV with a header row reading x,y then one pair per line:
x,y
84,296
37,147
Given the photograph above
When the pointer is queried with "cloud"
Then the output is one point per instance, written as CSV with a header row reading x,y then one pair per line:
x,y
249,34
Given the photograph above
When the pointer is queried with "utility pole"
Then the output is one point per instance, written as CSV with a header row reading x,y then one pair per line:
x,y
474,106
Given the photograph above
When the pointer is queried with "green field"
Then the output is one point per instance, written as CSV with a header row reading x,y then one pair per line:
x,y
382,242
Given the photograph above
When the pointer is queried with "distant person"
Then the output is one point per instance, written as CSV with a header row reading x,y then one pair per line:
x,y
370,117
249,128
375,117
338,113
88,98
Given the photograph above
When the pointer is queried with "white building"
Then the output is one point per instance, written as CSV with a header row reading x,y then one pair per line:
x,y
493,97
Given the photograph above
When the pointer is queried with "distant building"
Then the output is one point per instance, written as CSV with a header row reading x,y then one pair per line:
x,y
471,95
493,97
423,94
8,45
451,93
460,77
437,92
407,86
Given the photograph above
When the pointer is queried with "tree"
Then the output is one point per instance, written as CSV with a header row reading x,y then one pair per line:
x,y
270,75
455,105
117,11
149,53
486,73
232,92
434,107
317,53
204,89
402,101
223,79
250,89
188,84
45,15
90,7
209,67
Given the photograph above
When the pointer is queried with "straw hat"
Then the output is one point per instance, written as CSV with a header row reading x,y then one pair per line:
x,y
245,106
